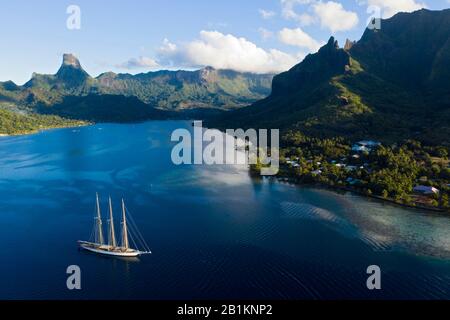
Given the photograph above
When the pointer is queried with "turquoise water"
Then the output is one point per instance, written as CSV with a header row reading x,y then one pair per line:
x,y
214,231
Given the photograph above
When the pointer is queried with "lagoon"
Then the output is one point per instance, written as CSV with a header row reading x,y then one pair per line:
x,y
215,232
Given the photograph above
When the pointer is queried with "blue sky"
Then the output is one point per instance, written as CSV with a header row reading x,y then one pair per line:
x,y
138,36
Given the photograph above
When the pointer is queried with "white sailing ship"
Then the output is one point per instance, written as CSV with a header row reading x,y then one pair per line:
x,y
111,248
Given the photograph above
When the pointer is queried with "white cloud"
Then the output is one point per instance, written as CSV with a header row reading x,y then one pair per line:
x,y
139,63
265,34
297,37
306,19
391,7
226,51
333,16
288,11
167,47
266,14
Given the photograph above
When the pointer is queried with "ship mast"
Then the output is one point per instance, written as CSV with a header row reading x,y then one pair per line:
x,y
112,235
98,223
125,243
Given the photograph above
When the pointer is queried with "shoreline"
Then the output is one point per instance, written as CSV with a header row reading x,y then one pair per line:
x,y
86,124
5,135
364,195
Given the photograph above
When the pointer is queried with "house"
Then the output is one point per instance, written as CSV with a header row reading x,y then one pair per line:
x,y
365,146
351,168
426,190
369,143
316,172
358,148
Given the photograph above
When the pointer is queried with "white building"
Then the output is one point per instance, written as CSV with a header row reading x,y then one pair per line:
x,y
426,190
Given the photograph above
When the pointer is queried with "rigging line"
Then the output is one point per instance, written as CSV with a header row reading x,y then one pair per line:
x,y
133,231
91,237
142,242
139,235
134,242
93,231
136,245
139,238
136,230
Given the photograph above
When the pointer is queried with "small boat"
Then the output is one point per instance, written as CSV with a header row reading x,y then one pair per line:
x,y
111,248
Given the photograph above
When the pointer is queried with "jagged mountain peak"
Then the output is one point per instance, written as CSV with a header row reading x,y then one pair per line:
x,y
332,43
71,71
329,61
349,44
70,60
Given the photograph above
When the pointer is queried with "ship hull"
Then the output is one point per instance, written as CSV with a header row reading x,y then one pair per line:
x,y
107,251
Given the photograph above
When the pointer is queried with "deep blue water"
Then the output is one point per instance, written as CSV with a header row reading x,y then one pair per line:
x,y
214,231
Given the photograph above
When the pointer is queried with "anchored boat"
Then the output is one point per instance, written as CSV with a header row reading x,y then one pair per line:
x,y
111,248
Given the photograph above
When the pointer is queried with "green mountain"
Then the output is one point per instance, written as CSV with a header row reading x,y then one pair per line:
x,y
72,93
392,84
181,90
166,90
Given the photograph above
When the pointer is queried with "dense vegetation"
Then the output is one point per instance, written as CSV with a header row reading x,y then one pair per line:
x,y
13,123
104,108
181,90
390,172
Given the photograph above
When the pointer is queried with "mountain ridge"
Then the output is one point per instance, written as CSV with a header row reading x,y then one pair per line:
x,y
378,87
72,92
167,90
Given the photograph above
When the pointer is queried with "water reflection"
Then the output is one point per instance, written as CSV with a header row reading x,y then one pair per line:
x,y
382,226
